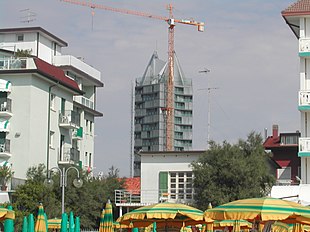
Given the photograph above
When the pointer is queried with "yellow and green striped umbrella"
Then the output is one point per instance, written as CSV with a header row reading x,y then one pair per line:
x,y
164,214
257,209
6,214
107,224
54,223
40,225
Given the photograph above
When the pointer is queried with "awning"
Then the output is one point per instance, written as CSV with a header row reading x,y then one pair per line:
x,y
5,86
4,126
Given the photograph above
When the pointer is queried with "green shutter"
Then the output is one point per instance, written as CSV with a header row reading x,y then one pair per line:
x,y
163,182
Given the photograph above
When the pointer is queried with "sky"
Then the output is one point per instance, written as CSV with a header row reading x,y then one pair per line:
x,y
251,53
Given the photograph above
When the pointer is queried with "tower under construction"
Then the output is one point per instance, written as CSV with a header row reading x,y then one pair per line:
x,y
150,112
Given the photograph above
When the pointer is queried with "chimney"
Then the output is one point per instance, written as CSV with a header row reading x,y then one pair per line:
x,y
275,130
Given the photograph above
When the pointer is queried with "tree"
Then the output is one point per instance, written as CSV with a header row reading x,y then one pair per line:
x,y
229,172
86,202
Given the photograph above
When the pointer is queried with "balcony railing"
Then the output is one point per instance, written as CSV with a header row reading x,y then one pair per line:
x,y
304,47
84,101
13,63
146,197
304,146
304,100
69,119
68,60
5,149
5,107
68,155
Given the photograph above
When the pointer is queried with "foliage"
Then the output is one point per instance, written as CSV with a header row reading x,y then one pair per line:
x,y
86,202
229,172
23,53
6,174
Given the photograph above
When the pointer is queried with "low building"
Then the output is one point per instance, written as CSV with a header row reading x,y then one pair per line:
x,y
284,152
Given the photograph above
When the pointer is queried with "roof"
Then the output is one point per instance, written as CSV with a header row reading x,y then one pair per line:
x,y
133,184
272,142
34,29
301,7
56,74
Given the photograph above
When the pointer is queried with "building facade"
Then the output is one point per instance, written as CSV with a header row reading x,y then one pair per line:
x,y
47,103
284,152
297,18
150,113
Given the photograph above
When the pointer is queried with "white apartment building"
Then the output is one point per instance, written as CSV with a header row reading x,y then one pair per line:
x,y
47,103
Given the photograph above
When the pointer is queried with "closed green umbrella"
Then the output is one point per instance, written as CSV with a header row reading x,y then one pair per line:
x,y
9,223
46,221
30,223
71,222
64,222
41,222
25,225
77,224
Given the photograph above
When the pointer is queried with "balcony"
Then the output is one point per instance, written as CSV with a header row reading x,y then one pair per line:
x,y
6,107
304,100
84,101
304,47
12,63
77,134
68,155
5,149
69,119
147,197
304,147
67,60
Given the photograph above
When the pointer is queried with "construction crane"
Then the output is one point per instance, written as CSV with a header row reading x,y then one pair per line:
x,y
170,82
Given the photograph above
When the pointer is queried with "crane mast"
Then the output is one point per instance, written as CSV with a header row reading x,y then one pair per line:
x,y
169,108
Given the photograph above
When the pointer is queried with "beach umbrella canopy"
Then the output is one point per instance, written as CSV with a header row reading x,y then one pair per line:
x,y
30,223
41,222
54,223
64,222
164,214
77,224
25,225
9,223
107,225
6,214
257,209
71,222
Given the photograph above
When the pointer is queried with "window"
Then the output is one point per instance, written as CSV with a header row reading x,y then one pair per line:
x,y
52,135
63,106
86,125
53,101
20,37
86,159
89,161
181,186
284,175
289,139
90,126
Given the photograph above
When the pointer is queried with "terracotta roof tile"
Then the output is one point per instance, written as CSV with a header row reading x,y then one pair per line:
x,y
301,7
133,184
56,74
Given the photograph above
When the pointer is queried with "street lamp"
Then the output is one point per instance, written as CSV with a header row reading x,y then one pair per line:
x,y
63,182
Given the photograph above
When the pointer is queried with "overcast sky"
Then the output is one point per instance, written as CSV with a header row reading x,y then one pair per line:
x,y
251,52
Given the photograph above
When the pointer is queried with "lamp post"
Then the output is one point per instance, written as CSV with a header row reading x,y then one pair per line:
x,y
63,181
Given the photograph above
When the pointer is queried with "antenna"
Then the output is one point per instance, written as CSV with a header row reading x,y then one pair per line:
x,y
29,17
205,70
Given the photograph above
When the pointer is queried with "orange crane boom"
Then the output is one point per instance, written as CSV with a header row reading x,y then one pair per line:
x,y
170,82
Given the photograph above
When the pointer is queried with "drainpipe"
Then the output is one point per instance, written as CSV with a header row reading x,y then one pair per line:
x,y
49,127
